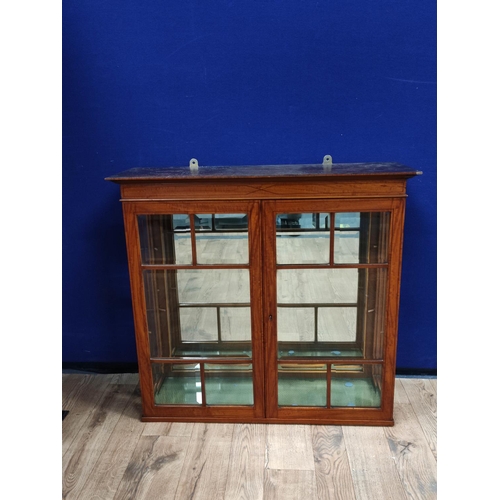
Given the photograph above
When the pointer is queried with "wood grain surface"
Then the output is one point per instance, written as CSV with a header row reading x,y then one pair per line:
x,y
290,485
205,471
87,447
106,475
113,455
154,468
247,463
80,402
289,447
264,172
333,475
374,474
423,396
411,451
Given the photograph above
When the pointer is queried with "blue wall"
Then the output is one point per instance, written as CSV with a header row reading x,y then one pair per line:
x,y
157,82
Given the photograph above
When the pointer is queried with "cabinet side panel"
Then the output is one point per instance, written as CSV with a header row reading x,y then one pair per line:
x,y
139,308
392,303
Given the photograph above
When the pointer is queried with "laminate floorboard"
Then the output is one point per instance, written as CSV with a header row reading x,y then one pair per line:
x,y
289,447
107,473
412,454
206,466
290,485
373,470
247,463
154,469
434,384
80,403
93,437
172,429
333,473
70,382
423,398
109,454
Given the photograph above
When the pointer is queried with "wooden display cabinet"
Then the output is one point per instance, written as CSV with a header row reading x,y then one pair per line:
x,y
266,293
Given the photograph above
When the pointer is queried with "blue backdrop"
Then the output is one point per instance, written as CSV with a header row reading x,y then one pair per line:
x,y
157,82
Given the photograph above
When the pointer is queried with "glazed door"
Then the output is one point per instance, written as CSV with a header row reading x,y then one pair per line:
x,y
331,273
196,280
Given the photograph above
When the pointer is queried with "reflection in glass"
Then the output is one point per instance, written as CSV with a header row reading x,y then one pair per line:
x,y
221,238
296,324
308,286
315,319
213,286
337,324
361,237
356,389
347,220
351,385
198,324
228,384
302,238
165,239
198,312
221,222
235,324
346,249
372,302
177,384
302,385
213,349
288,351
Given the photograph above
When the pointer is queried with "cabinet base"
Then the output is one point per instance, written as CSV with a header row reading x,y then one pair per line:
x,y
383,423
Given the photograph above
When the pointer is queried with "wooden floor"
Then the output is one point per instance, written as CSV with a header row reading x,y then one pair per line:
x,y
108,453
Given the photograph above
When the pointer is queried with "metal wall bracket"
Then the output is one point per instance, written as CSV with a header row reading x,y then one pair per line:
x,y
193,165
327,162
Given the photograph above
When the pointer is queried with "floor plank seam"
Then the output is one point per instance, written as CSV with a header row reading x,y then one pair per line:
x,y
227,458
89,413
108,437
131,454
184,461
429,444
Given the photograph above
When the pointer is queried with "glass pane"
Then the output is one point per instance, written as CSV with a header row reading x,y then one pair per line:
x,y
361,237
347,220
337,324
331,313
346,247
177,384
359,386
373,291
198,324
198,312
165,239
214,286
235,324
228,384
301,385
302,238
287,350
308,286
296,324
213,349
221,238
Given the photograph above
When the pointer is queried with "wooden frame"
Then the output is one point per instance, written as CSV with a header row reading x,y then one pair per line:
x,y
262,193
383,415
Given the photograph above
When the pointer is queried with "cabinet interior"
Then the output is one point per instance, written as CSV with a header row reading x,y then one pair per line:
x,y
330,307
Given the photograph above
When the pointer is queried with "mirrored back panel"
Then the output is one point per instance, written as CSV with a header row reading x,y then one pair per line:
x,y
331,284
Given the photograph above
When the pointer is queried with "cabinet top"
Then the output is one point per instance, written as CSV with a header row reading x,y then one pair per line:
x,y
351,170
